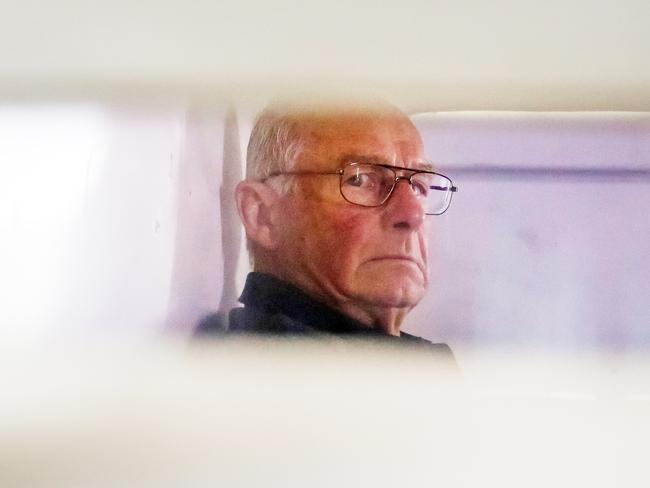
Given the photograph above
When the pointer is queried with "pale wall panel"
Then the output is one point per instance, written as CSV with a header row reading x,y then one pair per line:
x,y
556,257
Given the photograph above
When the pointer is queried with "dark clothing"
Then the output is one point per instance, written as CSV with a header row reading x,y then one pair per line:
x,y
275,307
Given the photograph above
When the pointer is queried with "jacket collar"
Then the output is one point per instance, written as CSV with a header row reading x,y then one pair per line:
x,y
271,295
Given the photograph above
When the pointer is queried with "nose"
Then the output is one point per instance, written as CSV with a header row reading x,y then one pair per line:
x,y
405,209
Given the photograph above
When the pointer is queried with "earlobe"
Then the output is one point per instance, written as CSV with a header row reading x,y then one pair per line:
x,y
256,204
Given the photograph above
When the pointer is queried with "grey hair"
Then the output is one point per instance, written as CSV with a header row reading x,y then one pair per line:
x,y
275,143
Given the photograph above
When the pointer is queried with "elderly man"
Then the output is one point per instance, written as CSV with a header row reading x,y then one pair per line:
x,y
336,205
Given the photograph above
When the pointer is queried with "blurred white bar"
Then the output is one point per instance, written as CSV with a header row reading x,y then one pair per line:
x,y
301,413
429,55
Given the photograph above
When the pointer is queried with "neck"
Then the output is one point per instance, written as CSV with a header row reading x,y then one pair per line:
x,y
388,319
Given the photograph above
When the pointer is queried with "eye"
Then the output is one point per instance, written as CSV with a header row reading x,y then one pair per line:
x,y
421,184
363,180
357,180
420,188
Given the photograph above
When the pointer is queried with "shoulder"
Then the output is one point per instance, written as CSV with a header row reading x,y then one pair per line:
x,y
438,349
250,320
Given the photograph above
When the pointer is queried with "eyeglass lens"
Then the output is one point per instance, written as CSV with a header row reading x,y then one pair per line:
x,y
371,185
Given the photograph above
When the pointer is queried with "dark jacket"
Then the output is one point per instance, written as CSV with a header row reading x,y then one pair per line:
x,y
275,307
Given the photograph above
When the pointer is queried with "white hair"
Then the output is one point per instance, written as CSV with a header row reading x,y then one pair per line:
x,y
279,135
274,145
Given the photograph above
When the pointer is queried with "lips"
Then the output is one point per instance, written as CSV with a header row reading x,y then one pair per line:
x,y
399,257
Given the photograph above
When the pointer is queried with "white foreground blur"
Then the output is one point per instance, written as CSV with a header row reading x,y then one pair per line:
x,y
298,413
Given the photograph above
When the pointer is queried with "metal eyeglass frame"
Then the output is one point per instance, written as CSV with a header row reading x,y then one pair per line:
x,y
451,188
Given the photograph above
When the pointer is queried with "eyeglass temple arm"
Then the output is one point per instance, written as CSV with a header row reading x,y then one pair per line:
x,y
444,188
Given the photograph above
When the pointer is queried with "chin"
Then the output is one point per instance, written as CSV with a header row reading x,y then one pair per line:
x,y
396,289
396,295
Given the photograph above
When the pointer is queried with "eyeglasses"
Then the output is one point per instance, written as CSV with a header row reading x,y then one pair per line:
x,y
371,185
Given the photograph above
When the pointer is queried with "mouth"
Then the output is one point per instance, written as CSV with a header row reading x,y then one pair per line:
x,y
399,258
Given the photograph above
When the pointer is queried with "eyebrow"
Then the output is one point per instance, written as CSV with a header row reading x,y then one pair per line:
x,y
374,159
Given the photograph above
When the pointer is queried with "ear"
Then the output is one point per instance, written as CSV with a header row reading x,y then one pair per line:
x,y
257,205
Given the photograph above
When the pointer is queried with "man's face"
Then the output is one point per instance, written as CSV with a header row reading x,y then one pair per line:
x,y
345,253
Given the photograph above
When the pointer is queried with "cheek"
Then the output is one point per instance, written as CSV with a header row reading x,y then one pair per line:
x,y
425,243
341,238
